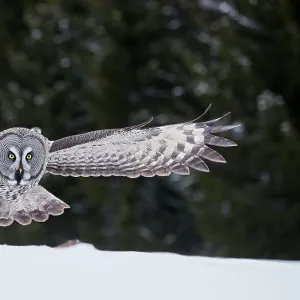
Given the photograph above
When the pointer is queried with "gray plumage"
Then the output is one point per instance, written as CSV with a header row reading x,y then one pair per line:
x,y
25,155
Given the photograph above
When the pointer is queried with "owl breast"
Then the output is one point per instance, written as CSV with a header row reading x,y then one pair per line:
x,y
11,193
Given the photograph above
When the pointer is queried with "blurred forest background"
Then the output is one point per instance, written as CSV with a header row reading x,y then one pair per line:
x,y
73,66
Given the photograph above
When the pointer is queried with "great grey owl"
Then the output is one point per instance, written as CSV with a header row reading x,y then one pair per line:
x,y
25,155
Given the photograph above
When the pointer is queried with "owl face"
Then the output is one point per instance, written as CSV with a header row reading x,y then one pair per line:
x,y
21,158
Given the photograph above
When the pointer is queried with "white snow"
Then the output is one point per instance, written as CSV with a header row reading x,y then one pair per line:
x,y
82,272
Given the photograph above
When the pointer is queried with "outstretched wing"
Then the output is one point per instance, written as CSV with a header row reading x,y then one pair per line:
x,y
135,151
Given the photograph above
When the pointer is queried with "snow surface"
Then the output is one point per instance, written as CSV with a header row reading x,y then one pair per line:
x,y
82,272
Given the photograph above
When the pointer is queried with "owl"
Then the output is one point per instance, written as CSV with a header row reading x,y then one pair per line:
x,y
26,155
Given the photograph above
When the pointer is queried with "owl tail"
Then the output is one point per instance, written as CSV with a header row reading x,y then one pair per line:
x,y
36,205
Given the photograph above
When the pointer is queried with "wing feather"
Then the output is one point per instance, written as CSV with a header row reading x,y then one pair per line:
x,y
78,139
134,151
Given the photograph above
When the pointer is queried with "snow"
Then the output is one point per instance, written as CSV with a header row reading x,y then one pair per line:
x,y
83,272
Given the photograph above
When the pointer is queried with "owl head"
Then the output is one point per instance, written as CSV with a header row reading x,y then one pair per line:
x,y
23,155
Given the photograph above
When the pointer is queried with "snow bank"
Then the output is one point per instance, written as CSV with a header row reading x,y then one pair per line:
x,y
82,272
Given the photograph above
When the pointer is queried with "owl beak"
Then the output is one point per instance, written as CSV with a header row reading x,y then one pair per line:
x,y
19,175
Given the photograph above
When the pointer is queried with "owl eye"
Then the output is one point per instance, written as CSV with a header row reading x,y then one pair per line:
x,y
29,156
11,156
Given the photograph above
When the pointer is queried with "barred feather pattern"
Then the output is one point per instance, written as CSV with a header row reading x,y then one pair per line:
x,y
37,204
142,152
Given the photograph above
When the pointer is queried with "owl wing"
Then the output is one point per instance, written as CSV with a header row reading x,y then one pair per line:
x,y
37,204
134,151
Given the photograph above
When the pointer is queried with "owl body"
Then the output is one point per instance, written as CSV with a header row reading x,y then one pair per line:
x,y
26,154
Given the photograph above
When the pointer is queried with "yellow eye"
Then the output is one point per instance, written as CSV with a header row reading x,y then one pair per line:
x,y
11,156
29,156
